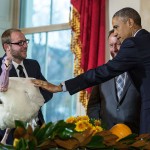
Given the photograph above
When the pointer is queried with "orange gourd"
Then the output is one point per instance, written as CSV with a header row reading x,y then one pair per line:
x,y
121,130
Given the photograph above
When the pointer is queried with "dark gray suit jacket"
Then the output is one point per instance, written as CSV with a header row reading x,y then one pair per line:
x,y
103,104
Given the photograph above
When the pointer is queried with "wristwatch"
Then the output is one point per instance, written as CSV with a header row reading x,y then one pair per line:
x,y
63,86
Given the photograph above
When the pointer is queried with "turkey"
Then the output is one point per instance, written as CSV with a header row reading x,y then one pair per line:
x,y
19,99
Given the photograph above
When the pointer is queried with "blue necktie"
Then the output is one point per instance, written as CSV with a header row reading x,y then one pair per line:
x,y
120,82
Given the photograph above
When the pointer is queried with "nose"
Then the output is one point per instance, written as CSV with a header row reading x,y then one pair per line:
x,y
115,33
115,48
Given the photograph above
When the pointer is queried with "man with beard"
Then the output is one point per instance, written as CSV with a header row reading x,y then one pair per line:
x,y
15,45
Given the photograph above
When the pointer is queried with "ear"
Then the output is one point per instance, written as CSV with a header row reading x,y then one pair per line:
x,y
7,48
130,22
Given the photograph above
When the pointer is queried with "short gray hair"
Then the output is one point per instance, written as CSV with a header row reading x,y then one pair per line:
x,y
128,12
6,36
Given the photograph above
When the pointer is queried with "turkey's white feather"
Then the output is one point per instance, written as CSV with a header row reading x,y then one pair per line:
x,y
21,101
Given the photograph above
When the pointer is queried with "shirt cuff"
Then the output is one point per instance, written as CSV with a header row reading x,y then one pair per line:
x,y
64,87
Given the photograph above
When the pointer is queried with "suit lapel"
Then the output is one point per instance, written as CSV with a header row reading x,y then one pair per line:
x,y
112,85
13,72
28,68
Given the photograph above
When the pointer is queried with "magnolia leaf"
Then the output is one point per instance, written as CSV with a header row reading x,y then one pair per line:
x,y
69,144
22,144
48,130
66,133
47,144
29,130
6,147
121,146
147,146
96,142
140,143
43,133
143,136
104,133
56,127
82,136
129,137
19,123
63,130
19,132
36,130
86,141
110,138
32,145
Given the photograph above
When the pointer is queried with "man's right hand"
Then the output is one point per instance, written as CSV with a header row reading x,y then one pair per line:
x,y
47,86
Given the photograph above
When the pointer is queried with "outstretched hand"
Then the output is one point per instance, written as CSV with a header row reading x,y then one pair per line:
x,y
47,86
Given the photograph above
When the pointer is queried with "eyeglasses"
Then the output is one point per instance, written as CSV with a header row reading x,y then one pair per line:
x,y
21,43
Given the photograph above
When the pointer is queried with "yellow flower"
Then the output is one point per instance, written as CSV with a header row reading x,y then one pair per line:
x,y
99,129
70,119
81,125
82,118
15,142
90,126
96,129
97,122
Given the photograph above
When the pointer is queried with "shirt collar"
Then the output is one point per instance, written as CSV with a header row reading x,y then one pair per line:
x,y
136,32
16,65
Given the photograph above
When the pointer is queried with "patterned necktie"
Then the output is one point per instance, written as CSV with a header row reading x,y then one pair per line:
x,y
21,72
120,84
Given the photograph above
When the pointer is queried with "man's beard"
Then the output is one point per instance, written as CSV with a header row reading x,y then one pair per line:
x,y
18,56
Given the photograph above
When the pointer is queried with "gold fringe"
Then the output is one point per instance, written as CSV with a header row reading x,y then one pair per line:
x,y
76,48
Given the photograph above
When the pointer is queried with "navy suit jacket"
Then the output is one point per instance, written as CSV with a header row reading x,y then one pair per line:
x,y
134,57
104,104
33,70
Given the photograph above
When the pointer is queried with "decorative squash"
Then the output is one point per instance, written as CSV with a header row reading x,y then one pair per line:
x,y
121,130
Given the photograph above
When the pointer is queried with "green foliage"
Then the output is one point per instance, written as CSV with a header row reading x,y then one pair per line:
x,y
96,142
20,124
63,135
6,147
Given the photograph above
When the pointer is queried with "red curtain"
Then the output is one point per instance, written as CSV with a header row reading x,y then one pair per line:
x,y
92,32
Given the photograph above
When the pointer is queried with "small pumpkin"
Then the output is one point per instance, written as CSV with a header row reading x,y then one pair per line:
x,y
121,130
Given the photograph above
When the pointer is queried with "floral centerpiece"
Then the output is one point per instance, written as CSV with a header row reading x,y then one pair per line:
x,y
74,133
